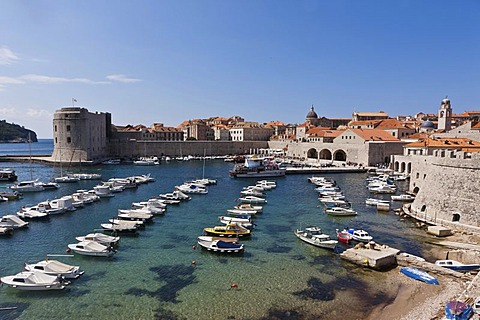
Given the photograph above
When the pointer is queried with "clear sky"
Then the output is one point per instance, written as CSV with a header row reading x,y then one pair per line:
x,y
169,61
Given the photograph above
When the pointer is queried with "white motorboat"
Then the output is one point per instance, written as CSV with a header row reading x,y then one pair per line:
x,y
252,199
192,188
101,238
127,183
360,235
381,206
403,197
255,167
119,227
150,203
250,192
88,196
147,161
384,188
103,191
31,213
91,248
136,223
87,176
458,266
339,211
334,201
374,201
144,178
239,213
66,179
111,162
134,215
12,221
269,183
64,203
249,207
205,181
314,236
244,222
34,280
5,231
28,186
55,268
175,195
222,245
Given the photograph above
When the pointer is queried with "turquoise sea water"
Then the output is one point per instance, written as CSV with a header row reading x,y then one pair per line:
x,y
152,275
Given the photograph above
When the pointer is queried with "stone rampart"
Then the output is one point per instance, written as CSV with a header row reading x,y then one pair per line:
x,y
139,148
447,189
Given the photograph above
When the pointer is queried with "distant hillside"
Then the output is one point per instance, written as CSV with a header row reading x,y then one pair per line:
x,y
11,132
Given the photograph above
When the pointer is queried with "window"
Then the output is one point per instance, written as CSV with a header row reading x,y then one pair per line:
x,y
56,140
69,139
68,128
55,128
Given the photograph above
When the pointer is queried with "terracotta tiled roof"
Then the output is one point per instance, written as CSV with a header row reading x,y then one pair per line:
x,y
392,124
374,135
364,123
446,143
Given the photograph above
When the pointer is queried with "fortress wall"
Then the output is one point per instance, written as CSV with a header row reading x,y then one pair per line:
x,y
448,189
134,149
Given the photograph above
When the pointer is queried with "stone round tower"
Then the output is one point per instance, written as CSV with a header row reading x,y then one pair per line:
x,y
79,135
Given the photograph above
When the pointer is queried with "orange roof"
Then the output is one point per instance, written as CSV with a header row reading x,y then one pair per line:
x,y
476,125
446,143
392,124
373,134
324,132
364,123
275,123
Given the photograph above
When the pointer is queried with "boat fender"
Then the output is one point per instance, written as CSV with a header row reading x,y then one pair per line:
x,y
234,286
68,250
194,247
194,262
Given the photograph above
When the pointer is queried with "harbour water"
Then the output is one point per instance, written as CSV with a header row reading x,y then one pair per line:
x,y
152,275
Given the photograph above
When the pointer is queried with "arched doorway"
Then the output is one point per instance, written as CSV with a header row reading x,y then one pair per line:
x,y
409,168
340,155
395,166
326,154
312,153
402,167
456,217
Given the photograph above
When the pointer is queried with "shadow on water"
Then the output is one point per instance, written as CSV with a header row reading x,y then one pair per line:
x,y
176,277
6,313
278,314
278,249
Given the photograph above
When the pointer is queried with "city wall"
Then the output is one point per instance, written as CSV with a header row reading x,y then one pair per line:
x,y
447,189
139,148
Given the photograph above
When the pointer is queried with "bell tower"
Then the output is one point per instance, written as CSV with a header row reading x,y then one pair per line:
x,y
445,115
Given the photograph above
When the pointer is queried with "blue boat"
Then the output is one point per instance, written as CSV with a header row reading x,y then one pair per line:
x,y
457,310
418,274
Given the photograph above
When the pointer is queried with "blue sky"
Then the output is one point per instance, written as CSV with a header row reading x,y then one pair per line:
x,y
169,61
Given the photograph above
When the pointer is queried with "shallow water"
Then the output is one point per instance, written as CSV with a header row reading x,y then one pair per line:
x,y
152,275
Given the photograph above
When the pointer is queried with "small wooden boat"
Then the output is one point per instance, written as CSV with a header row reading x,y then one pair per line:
x,y
236,212
220,244
246,223
418,274
230,230
248,207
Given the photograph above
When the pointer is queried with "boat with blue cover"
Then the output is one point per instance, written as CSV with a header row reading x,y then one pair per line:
x,y
418,274
220,244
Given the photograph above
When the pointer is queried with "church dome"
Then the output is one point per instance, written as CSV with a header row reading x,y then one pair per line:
x,y
427,125
312,114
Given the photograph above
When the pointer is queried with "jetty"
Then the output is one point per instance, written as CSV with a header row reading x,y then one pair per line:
x,y
372,255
